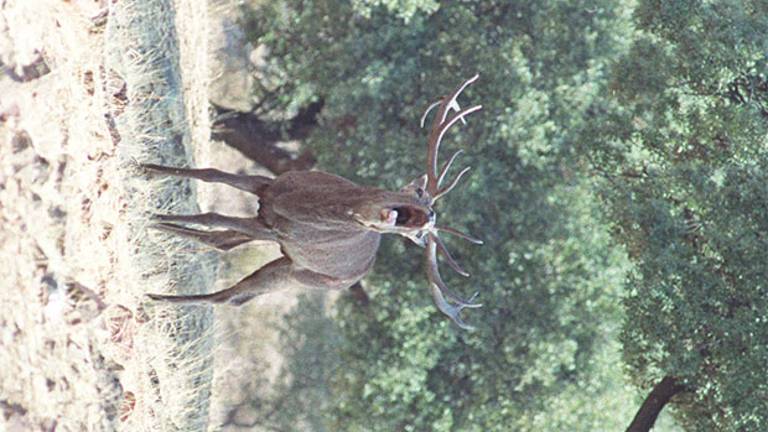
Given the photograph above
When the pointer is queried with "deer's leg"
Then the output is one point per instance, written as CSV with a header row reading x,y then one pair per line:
x,y
249,226
249,183
221,240
273,276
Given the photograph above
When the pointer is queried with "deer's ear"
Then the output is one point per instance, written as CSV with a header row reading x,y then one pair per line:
x,y
417,184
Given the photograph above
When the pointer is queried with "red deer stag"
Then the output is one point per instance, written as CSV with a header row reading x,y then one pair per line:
x,y
328,227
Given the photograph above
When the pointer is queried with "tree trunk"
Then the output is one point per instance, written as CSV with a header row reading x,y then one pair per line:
x,y
257,139
654,403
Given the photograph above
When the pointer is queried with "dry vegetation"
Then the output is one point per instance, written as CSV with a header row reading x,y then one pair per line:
x,y
80,348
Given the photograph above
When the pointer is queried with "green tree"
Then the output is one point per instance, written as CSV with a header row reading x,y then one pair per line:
x,y
543,357
680,141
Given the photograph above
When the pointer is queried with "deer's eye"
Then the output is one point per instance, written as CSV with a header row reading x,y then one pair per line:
x,y
419,192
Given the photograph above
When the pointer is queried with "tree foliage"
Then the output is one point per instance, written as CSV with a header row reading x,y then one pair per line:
x,y
544,350
609,129
680,140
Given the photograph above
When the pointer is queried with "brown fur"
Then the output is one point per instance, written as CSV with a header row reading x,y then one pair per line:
x,y
314,216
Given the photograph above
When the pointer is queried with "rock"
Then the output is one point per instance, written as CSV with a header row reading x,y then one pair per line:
x,y
232,78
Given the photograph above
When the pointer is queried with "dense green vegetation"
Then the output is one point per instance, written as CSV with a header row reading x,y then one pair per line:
x,y
681,140
620,155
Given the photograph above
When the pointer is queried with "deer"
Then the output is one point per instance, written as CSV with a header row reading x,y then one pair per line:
x,y
328,227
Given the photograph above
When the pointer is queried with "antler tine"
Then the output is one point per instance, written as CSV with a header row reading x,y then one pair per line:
x,y
447,166
448,257
441,284
453,184
448,309
435,139
440,125
447,125
440,291
452,101
426,113
458,233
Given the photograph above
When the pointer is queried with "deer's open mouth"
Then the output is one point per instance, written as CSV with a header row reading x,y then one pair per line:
x,y
403,218
410,217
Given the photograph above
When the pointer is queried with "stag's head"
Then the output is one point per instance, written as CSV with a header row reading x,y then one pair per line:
x,y
407,212
410,212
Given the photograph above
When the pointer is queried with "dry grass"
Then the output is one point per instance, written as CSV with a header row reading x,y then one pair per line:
x,y
80,348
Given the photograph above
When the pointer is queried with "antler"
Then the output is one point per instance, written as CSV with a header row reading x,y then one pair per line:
x,y
440,126
434,189
440,290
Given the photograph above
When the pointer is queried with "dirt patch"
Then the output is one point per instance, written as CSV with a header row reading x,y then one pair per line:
x,y
81,350
58,210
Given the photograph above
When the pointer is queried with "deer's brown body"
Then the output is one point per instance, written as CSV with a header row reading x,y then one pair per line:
x,y
328,227
312,215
